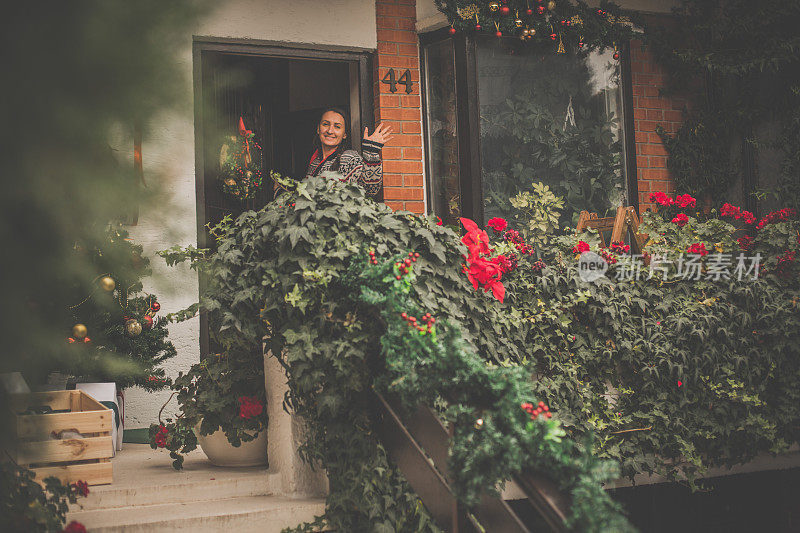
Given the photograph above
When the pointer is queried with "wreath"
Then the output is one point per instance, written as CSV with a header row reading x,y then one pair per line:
x,y
240,164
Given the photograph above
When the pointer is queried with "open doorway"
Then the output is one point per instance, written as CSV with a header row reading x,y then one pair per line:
x,y
279,92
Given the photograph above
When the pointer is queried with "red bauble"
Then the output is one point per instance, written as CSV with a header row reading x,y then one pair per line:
x,y
147,321
155,306
477,27
529,11
616,55
452,30
553,36
499,33
540,9
504,10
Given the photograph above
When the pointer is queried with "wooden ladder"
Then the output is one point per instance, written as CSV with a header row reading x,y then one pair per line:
x,y
626,219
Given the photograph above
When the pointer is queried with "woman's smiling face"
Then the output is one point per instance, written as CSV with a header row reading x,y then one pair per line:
x,y
331,129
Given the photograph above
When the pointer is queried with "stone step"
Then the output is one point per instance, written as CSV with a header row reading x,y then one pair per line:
x,y
263,514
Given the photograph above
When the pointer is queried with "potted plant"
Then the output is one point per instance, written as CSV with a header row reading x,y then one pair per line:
x,y
222,400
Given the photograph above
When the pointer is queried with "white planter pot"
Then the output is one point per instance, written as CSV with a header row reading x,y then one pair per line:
x,y
221,453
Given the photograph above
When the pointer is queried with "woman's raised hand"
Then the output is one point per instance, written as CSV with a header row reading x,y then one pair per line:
x,y
380,135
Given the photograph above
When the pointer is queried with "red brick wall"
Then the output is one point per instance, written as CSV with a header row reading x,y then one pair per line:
x,y
398,48
649,111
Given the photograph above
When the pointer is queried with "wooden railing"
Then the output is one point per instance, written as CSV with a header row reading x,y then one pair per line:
x,y
419,444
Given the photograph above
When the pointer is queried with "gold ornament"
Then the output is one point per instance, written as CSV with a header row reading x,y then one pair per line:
x,y
531,32
561,49
551,5
518,23
468,11
79,331
576,20
494,6
479,423
107,283
132,327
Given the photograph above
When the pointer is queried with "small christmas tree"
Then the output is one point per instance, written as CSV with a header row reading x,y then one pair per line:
x,y
112,315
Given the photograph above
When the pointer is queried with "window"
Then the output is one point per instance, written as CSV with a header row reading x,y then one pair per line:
x,y
525,115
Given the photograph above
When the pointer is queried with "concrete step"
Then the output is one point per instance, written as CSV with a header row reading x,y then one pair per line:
x,y
263,514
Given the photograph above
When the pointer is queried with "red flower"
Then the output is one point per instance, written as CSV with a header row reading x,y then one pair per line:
x,y
161,437
729,210
661,198
580,248
487,274
697,248
749,217
81,487
476,239
680,219
498,224
777,216
438,221
620,247
745,242
506,263
249,407
685,200
74,527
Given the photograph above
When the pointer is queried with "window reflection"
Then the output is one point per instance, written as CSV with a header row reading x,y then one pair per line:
x,y
550,118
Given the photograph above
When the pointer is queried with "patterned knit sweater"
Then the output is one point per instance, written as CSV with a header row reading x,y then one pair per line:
x,y
366,170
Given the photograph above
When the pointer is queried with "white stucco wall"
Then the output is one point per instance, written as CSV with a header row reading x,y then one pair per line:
x,y
168,155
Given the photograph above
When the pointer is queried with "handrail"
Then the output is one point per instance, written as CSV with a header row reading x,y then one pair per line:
x,y
419,446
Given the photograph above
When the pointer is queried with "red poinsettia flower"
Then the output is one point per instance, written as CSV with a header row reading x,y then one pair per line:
x,y
486,274
661,198
580,248
680,219
74,527
81,487
476,239
685,200
249,407
697,248
498,224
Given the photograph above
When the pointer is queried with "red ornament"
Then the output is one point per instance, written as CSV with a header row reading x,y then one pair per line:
x,y
553,36
499,33
504,10
529,11
616,55
680,383
452,31
540,9
155,306
477,27
147,321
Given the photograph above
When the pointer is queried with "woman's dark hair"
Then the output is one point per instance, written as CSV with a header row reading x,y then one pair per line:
x,y
344,145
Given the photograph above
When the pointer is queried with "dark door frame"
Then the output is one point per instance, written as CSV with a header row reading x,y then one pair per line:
x,y
361,105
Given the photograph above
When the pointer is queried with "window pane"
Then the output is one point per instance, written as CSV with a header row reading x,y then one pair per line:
x,y
440,95
550,118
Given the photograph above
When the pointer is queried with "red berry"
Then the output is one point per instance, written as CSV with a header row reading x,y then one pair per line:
x,y
412,319
545,408
398,277
533,416
404,315
407,262
416,254
541,404
548,415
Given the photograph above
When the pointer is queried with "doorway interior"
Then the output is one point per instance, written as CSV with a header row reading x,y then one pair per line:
x,y
279,91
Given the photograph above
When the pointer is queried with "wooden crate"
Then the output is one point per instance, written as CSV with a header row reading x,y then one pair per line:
x,y
87,459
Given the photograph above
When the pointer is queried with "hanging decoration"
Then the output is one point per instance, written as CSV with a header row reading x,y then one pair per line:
x,y
240,164
569,26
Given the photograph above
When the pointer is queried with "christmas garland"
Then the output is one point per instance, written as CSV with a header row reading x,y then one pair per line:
x,y
240,164
562,23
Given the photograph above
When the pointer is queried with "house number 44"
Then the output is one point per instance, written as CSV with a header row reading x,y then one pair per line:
x,y
393,82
